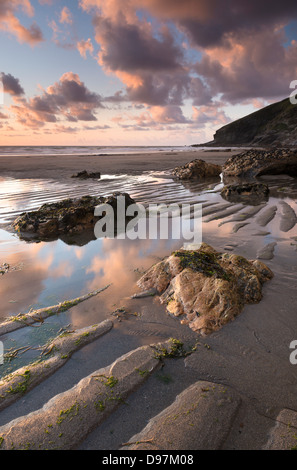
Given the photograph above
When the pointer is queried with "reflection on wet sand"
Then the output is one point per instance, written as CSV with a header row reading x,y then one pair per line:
x,y
53,272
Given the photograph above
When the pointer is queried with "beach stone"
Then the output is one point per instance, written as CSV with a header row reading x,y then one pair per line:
x,y
249,193
69,216
86,175
197,169
199,419
255,163
4,268
206,288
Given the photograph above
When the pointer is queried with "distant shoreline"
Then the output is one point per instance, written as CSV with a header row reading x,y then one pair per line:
x,y
57,167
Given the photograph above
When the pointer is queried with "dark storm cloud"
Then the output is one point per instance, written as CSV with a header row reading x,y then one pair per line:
x,y
67,99
11,84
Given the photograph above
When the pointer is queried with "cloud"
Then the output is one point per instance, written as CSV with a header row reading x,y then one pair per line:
x,y
61,37
11,84
84,47
243,46
66,16
11,24
209,114
147,59
250,67
68,99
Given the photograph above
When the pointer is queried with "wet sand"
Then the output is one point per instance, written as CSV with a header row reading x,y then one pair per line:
x,y
60,167
249,355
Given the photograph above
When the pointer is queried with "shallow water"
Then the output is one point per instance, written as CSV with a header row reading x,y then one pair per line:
x,y
46,273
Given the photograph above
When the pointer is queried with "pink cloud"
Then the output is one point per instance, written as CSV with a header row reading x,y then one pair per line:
x,y
242,48
9,23
68,99
84,47
66,16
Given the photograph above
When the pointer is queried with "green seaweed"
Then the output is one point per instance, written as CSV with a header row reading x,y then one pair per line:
x,y
69,413
22,386
202,262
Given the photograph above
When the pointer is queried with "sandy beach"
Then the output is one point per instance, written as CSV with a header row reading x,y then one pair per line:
x,y
43,166
249,357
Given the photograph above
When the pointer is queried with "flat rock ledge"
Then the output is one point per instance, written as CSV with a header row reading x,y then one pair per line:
x,y
199,419
255,163
69,216
66,419
207,289
197,169
283,434
21,320
54,355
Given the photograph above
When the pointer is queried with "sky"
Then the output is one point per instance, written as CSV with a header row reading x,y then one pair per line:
x,y
140,72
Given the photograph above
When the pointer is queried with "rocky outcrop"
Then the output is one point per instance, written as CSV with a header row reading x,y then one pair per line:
x,y
275,124
64,421
70,216
54,355
248,193
191,421
254,163
86,175
197,169
207,289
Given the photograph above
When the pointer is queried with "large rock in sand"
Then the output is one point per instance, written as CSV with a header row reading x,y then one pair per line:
x,y
255,163
206,288
69,216
197,169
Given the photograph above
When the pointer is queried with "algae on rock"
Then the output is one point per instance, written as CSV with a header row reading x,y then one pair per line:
x,y
207,288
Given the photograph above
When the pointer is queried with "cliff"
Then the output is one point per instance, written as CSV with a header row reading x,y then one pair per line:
x,y
275,124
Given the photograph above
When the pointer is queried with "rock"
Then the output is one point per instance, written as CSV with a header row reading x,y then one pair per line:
x,y
67,418
206,288
4,268
283,434
197,169
248,193
85,175
255,163
199,419
144,294
70,216
53,356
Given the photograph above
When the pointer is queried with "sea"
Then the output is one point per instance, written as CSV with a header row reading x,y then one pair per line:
x,y
88,150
